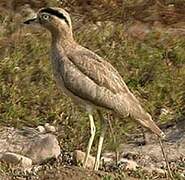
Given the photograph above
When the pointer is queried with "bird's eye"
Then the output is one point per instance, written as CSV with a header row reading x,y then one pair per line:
x,y
45,16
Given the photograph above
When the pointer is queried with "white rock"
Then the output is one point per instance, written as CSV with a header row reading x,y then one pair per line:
x,y
17,159
28,142
107,159
44,148
109,155
79,158
49,128
129,164
41,129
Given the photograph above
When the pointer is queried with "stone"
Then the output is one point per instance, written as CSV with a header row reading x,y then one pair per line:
x,y
49,128
41,129
129,164
46,147
17,159
79,156
107,160
30,143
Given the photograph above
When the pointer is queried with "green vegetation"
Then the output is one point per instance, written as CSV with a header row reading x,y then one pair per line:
x,y
153,69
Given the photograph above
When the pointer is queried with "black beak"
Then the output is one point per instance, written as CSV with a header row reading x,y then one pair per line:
x,y
29,21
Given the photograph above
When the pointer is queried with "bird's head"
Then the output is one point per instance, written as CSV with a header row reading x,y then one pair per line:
x,y
56,20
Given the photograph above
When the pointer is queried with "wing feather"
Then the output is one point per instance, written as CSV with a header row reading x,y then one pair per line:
x,y
98,70
84,87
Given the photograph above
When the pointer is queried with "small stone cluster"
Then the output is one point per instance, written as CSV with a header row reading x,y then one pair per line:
x,y
27,147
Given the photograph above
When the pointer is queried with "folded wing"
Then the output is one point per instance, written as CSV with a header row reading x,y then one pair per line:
x,y
91,78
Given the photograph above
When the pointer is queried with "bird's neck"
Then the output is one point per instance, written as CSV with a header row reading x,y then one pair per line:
x,y
63,40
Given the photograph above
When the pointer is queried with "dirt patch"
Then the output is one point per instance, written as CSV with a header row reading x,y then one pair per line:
x,y
73,173
148,157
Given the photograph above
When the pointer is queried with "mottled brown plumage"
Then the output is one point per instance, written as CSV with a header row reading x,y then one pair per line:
x,y
87,78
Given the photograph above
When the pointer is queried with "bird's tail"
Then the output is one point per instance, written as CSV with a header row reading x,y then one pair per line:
x,y
150,124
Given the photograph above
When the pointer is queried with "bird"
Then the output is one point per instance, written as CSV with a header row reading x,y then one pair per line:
x,y
88,79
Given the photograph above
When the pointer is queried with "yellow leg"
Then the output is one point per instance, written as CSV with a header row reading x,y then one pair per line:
x,y
93,130
102,135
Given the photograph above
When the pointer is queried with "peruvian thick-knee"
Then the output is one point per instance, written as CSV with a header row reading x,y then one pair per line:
x,y
87,78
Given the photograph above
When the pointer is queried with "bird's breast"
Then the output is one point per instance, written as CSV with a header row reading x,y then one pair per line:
x,y
58,67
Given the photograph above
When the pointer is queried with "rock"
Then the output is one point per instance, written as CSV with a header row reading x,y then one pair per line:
x,y
41,129
44,148
17,159
49,128
30,143
46,128
79,156
107,160
129,164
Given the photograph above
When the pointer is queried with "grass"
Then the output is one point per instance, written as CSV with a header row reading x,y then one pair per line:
x,y
153,69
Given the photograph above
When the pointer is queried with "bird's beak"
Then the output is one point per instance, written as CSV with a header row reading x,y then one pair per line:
x,y
32,20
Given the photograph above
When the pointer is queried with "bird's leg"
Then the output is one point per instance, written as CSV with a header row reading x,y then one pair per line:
x,y
102,134
114,140
93,130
